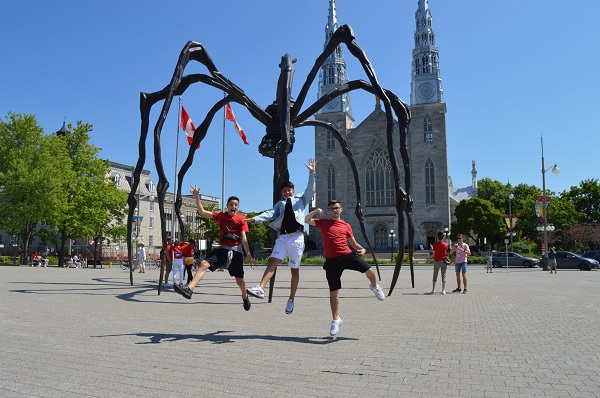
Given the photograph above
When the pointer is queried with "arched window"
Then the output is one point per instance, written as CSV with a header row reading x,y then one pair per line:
x,y
379,178
331,183
382,241
427,129
429,182
117,179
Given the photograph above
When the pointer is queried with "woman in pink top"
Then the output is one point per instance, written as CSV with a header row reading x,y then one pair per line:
x,y
460,262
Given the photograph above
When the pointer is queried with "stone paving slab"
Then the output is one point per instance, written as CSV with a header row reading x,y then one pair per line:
x,y
88,332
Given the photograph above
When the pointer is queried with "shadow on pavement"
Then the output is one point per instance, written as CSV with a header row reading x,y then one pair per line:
x,y
220,338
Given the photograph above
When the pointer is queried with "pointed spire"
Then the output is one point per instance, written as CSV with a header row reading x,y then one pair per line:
x,y
332,23
333,71
63,130
426,85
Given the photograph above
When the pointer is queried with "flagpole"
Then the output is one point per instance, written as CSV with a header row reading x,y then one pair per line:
x,y
223,164
173,229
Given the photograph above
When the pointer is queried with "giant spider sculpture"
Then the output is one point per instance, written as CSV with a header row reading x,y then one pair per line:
x,y
280,119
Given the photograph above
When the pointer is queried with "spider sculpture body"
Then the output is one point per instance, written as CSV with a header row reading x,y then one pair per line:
x,y
280,119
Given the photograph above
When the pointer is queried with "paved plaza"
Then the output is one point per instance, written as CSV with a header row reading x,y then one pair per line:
x,y
88,332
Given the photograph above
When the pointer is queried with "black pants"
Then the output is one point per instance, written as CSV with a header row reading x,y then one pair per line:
x,y
188,269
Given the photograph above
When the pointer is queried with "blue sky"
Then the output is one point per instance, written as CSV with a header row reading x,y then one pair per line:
x,y
512,71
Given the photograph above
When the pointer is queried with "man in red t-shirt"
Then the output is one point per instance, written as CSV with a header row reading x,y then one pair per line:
x,y
168,262
229,255
336,234
440,252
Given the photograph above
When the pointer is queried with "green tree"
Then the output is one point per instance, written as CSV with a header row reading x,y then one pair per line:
x,y
33,169
586,198
92,200
259,233
478,218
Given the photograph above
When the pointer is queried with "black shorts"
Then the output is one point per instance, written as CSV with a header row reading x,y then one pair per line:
x,y
334,267
218,258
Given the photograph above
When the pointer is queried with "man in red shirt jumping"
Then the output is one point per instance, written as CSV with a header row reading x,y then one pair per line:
x,y
229,255
336,234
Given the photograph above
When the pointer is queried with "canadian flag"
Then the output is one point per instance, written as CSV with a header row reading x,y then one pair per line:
x,y
187,125
230,116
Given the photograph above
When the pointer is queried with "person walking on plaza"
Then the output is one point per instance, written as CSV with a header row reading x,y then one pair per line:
x,y
287,218
188,256
461,250
229,255
488,262
168,262
440,256
177,263
552,259
141,257
335,234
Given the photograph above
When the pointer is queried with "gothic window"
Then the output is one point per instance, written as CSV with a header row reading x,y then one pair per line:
x,y
330,79
331,183
427,130
429,183
379,178
151,186
330,140
117,179
382,241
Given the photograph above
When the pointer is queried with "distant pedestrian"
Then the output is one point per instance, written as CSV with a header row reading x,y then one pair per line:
x,y
440,261
141,257
460,262
552,259
168,262
488,261
177,264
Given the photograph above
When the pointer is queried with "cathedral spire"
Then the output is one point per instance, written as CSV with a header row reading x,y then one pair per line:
x,y
333,71
426,84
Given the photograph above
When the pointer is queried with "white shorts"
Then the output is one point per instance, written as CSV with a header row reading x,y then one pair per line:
x,y
291,246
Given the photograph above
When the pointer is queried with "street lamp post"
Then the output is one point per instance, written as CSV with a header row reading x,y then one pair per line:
x,y
392,236
511,232
555,170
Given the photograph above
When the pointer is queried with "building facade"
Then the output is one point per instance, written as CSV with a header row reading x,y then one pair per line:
x,y
146,222
427,143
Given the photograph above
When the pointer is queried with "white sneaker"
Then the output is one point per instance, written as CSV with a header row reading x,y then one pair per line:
x,y
378,292
289,308
443,292
335,326
257,292
432,291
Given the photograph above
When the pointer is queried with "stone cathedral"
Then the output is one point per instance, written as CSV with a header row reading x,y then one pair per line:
x,y
427,147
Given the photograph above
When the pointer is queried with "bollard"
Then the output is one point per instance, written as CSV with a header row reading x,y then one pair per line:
x,y
110,264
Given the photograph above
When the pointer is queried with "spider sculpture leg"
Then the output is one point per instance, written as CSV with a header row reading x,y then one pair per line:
x,y
345,35
179,83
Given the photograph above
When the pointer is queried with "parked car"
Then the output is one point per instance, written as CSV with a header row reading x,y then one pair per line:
x,y
499,259
568,260
595,254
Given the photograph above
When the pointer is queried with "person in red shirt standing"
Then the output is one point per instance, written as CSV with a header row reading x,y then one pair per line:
x,y
336,234
440,254
168,262
229,255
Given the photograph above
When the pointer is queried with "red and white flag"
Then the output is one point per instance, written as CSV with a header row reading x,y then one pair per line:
x,y
230,116
187,125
